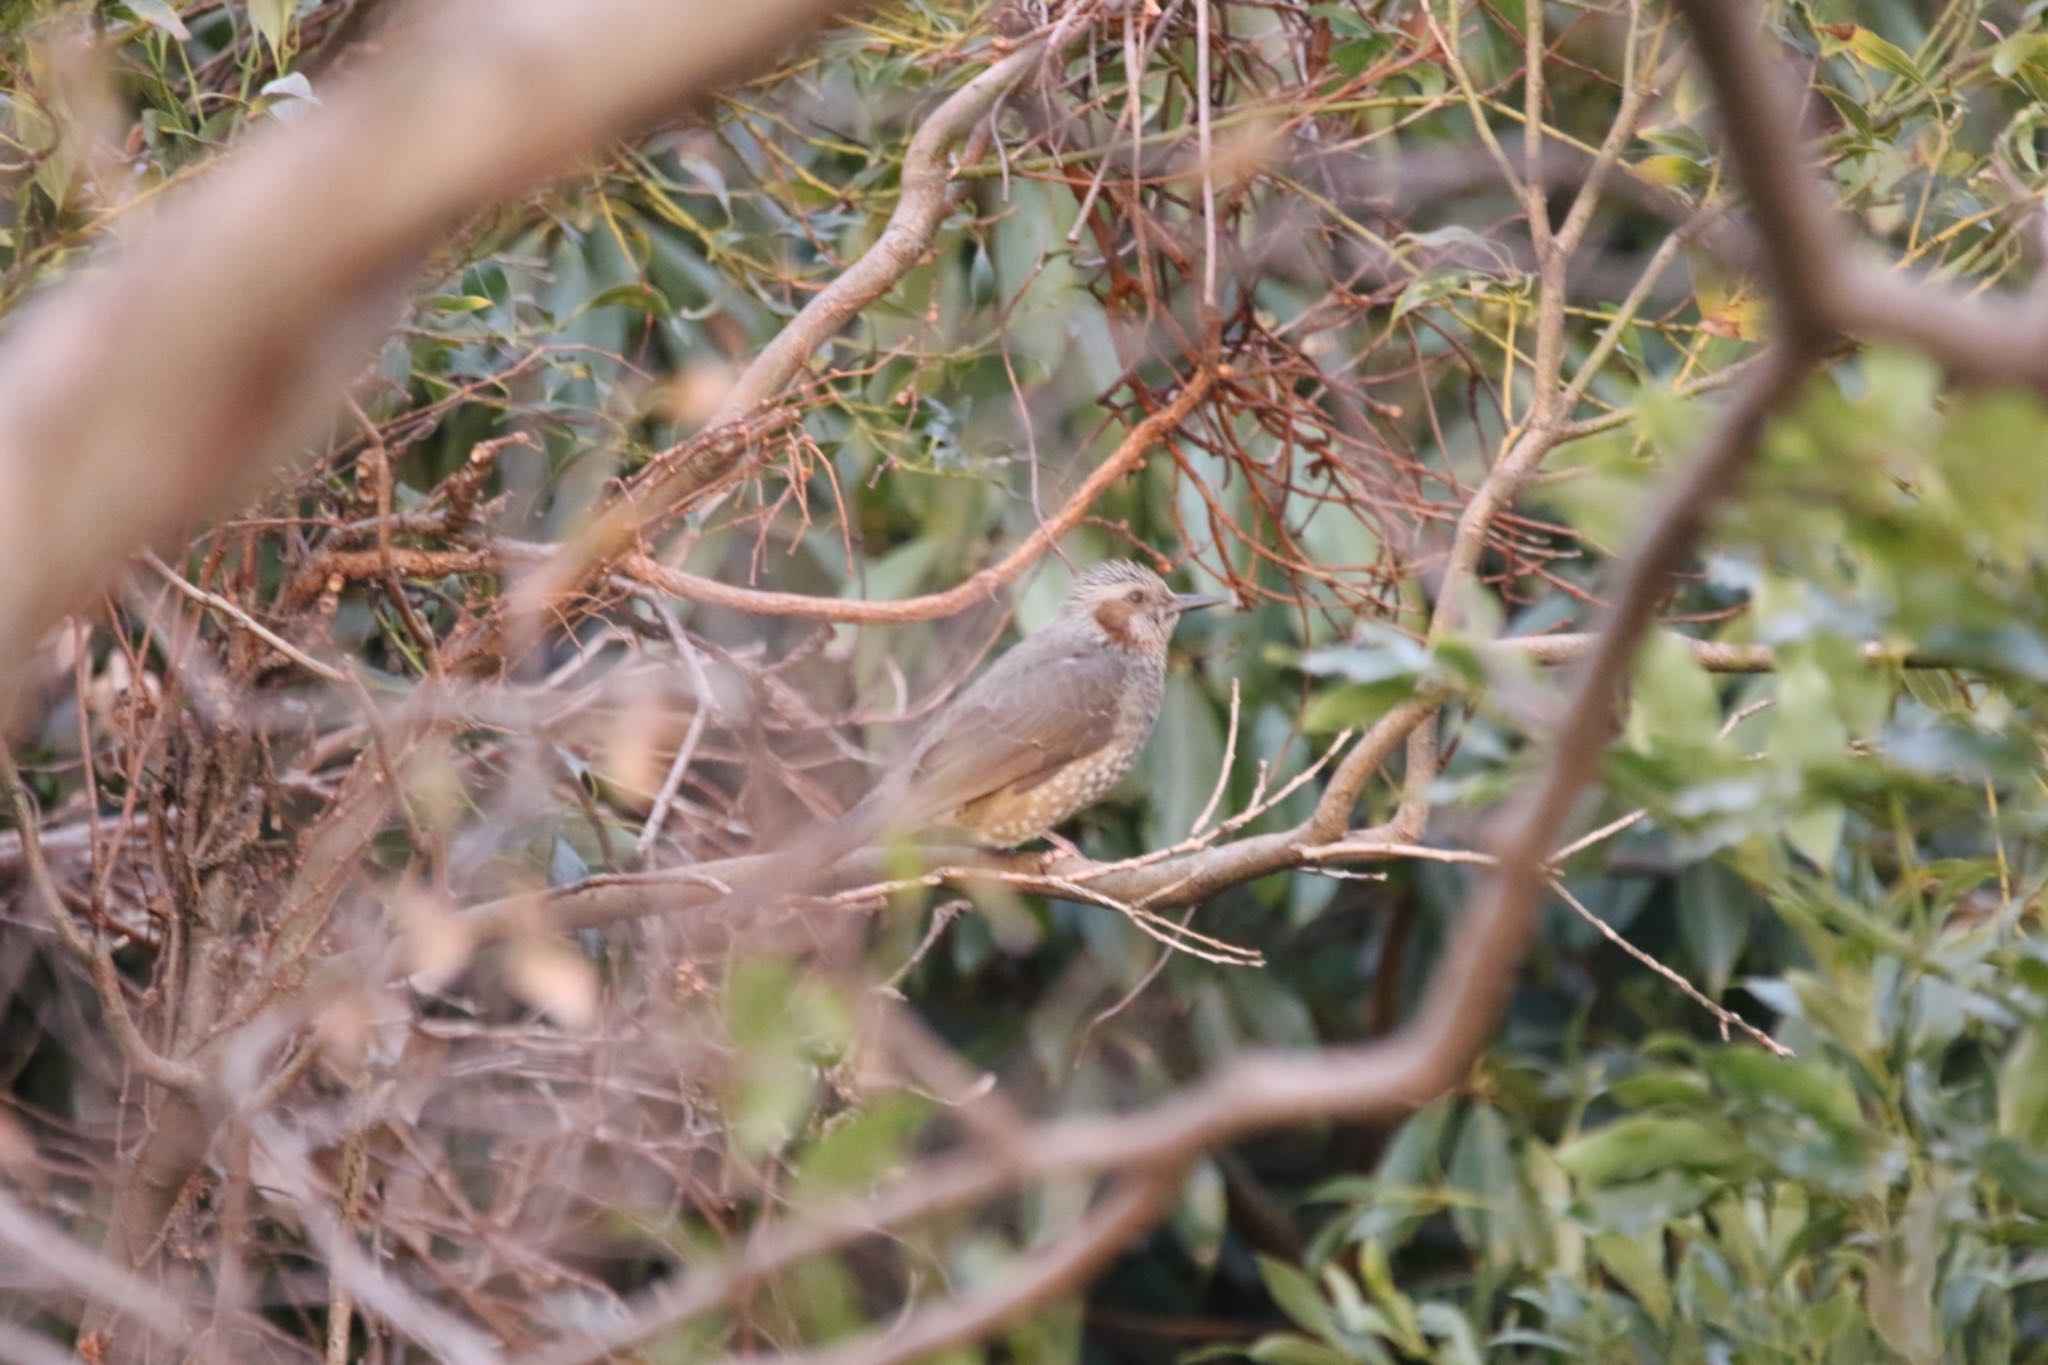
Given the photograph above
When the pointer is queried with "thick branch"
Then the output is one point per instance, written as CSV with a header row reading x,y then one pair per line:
x,y
1273,1090
971,591
1802,243
32,1241
144,396
926,199
1471,982
1038,1282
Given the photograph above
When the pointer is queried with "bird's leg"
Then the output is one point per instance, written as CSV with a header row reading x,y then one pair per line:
x,y
1062,847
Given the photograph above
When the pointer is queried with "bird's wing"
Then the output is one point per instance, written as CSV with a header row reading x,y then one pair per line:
x,y
1037,710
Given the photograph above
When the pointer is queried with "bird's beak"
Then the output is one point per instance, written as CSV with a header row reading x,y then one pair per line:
x,y
1195,601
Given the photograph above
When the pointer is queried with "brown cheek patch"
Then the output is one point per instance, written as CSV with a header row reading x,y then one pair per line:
x,y
1114,617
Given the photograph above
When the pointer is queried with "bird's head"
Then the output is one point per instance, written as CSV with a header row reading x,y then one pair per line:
x,y
1129,606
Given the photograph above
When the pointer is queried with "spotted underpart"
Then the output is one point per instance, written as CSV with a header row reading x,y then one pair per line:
x,y
1020,812
1050,727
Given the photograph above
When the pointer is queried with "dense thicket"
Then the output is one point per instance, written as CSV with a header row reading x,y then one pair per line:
x,y
369,991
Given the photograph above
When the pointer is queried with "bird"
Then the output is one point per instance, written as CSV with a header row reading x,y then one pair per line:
x,y
1048,728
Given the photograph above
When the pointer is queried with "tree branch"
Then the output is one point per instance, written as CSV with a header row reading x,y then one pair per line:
x,y
1470,984
91,948
145,395
971,591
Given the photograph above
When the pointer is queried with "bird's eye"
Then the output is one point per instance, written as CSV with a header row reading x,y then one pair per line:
x,y
1137,594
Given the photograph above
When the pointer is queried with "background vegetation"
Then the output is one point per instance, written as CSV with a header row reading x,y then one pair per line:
x,y
368,992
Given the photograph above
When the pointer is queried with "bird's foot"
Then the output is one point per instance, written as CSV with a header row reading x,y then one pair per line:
x,y
1062,847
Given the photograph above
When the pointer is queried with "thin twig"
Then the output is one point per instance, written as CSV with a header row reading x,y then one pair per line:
x,y
178,581
91,948
1727,1018
686,752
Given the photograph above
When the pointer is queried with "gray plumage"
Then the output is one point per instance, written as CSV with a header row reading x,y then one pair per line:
x,y
1046,730
1052,724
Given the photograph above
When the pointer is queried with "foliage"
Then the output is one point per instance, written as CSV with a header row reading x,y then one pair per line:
x,y
1846,848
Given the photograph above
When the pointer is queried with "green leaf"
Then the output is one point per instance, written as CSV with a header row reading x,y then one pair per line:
x,y
2023,1088
631,294
859,1148
1881,54
1343,19
1603,487
1713,922
159,14
1641,1145
1654,1088
2019,50
1288,1350
1796,1084
2018,1169
1297,1296
1411,1158
1432,285
1201,1216
1483,1165
773,1077
1816,832
1181,775
774,1093
1458,1342
1988,446
288,97
1673,700
1356,54
826,1296
565,865
1379,654
1638,1263
1376,1269
1808,733
1353,706
272,19
1900,390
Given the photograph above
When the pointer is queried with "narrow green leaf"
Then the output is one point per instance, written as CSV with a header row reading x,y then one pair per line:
x,y
272,19
1299,1299
1674,699
158,14
1631,1148
1881,54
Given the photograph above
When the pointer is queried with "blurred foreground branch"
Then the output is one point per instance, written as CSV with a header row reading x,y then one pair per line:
x,y
138,400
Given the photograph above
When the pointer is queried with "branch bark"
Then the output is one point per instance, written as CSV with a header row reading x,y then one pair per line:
x,y
925,199
970,591
135,401
1383,1080
1470,984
